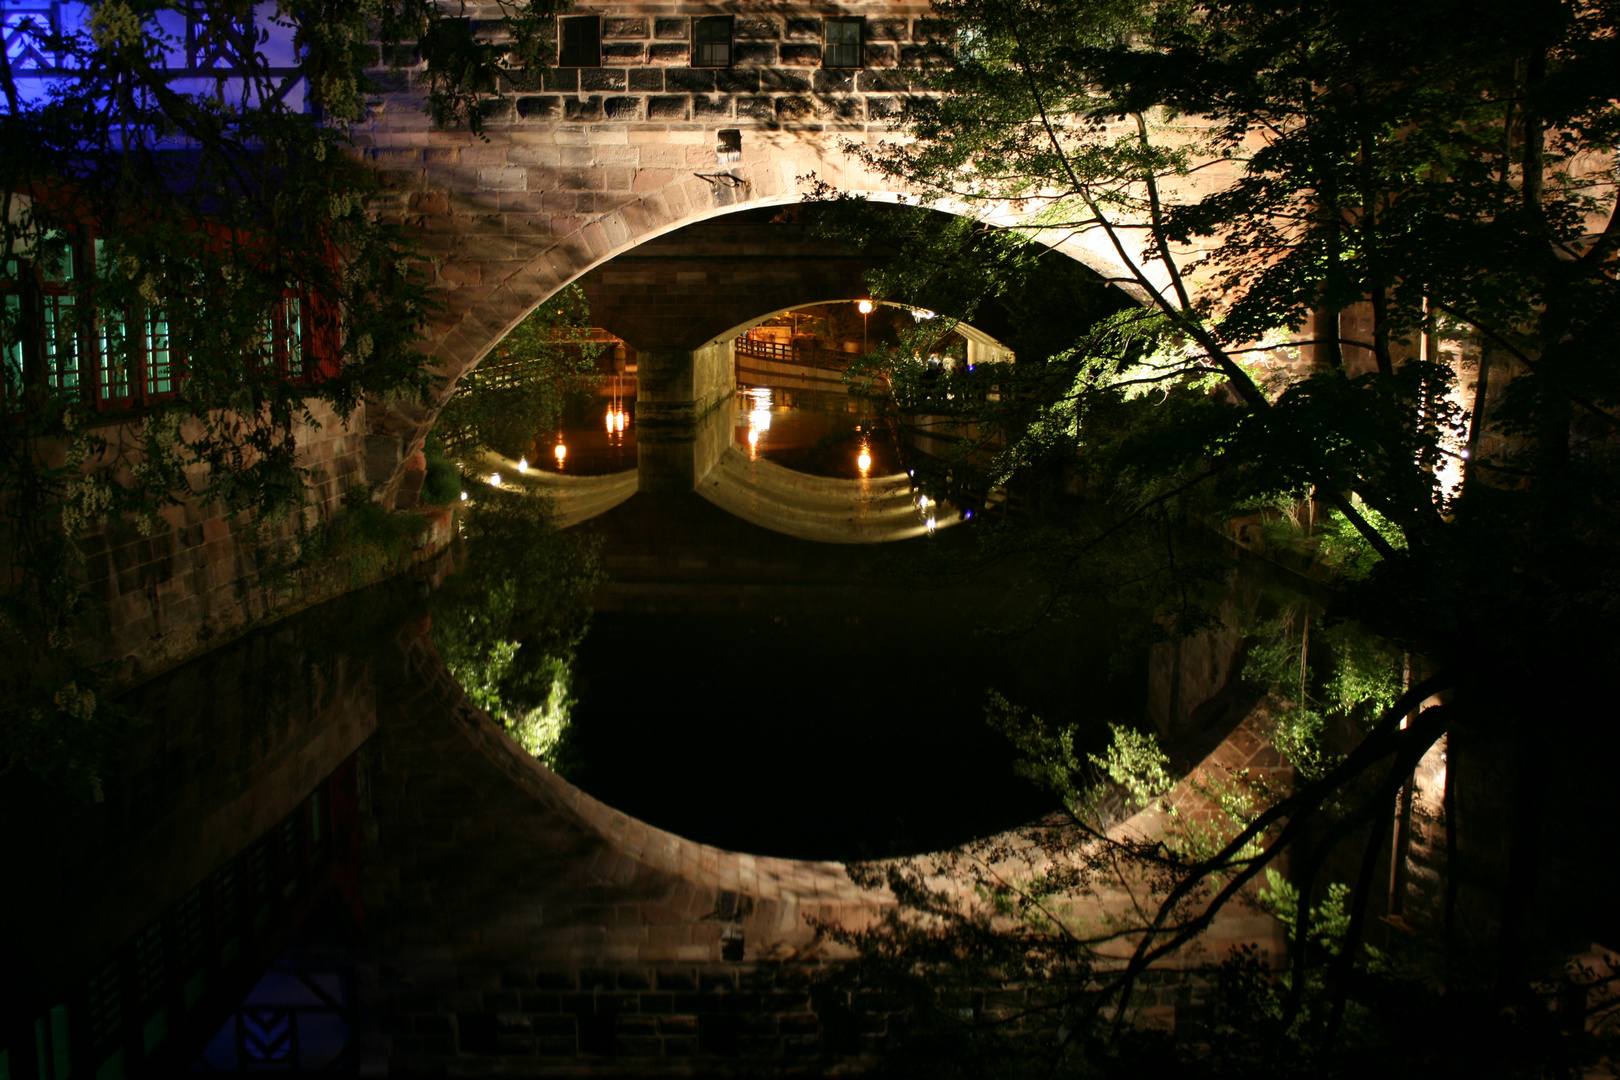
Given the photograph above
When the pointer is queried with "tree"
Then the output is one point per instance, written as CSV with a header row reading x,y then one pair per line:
x,y
1402,319
507,624
199,261
520,396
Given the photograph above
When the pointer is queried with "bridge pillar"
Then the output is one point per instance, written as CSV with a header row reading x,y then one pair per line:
x,y
683,413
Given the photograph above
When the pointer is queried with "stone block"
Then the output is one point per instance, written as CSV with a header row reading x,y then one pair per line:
x,y
754,53
565,80
880,55
803,26
634,27
538,108
624,53
669,108
669,53
383,454
672,29
839,108
756,108
929,55
582,110
881,108
503,178
756,28
729,81
646,79
711,108
497,110
622,108
522,80
833,81
781,80
882,81
793,107
795,54
693,79
931,30
602,79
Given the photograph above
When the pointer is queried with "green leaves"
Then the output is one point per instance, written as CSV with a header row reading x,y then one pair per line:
x,y
520,394
507,623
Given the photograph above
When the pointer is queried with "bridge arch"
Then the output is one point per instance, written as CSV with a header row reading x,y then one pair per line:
x,y
591,163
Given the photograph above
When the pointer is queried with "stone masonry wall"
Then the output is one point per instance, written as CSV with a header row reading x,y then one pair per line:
x,y
196,581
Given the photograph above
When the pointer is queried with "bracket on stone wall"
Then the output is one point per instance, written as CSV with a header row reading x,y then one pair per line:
x,y
717,179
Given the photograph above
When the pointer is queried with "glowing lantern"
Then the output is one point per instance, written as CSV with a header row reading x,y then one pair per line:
x,y
523,464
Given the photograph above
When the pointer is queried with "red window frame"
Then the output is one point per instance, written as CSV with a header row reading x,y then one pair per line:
x,y
148,367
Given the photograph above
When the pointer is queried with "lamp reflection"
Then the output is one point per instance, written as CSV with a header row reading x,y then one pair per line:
x,y
561,452
863,460
759,417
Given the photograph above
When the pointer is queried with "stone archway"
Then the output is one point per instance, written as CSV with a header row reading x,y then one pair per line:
x,y
589,163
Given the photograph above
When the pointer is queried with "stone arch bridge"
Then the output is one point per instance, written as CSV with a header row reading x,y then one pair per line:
x,y
587,164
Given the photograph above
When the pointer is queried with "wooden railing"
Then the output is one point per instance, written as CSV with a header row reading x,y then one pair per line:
x,y
788,352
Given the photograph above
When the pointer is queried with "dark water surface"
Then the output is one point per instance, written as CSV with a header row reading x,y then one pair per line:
x,y
828,735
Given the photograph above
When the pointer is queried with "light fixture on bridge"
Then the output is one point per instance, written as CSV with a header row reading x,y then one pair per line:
x,y
463,496
523,464
495,479
865,307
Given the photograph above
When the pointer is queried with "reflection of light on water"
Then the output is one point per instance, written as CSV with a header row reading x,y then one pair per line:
x,y
759,417
561,452
616,420
863,460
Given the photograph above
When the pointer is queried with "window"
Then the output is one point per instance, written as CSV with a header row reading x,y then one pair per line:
x,y
11,350
118,357
58,276
843,43
283,346
711,41
580,41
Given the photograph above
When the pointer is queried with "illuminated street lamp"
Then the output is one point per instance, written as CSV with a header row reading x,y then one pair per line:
x,y
865,307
